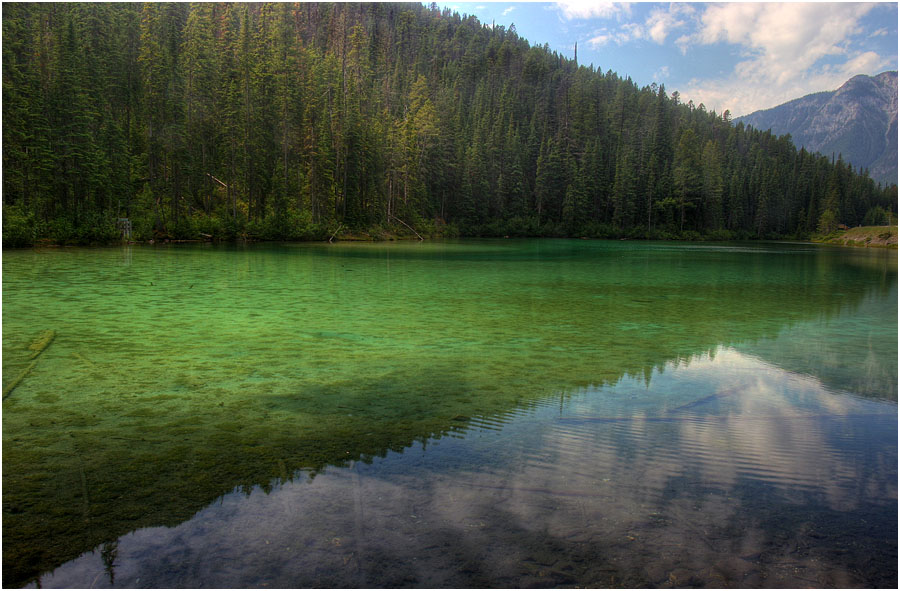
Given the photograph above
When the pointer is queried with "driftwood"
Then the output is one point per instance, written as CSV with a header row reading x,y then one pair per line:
x,y
42,342
335,232
37,347
408,226
12,385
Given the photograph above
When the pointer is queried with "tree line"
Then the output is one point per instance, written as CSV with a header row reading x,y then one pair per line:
x,y
300,120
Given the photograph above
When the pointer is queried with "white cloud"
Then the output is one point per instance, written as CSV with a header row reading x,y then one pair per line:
x,y
742,94
582,9
624,34
784,50
600,40
661,74
683,43
658,26
788,51
663,21
508,10
631,32
784,40
863,62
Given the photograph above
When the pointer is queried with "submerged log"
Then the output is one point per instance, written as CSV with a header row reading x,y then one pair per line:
x,y
7,390
41,342
37,347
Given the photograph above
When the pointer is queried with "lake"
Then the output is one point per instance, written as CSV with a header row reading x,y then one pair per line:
x,y
505,413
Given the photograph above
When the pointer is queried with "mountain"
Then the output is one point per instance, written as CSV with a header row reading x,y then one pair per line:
x,y
858,121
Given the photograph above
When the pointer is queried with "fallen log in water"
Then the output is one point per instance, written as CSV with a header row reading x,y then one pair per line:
x,y
41,342
37,347
12,385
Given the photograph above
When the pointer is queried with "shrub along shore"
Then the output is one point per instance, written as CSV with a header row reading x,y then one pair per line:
x,y
863,236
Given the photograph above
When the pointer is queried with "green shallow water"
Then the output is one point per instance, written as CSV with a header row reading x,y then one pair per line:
x,y
181,373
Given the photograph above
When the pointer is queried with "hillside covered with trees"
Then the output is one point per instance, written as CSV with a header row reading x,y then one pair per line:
x,y
298,120
858,120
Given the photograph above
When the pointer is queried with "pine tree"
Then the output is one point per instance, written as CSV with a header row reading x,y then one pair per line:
x,y
279,120
712,186
687,174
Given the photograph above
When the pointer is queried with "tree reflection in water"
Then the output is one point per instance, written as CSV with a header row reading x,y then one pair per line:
x,y
745,476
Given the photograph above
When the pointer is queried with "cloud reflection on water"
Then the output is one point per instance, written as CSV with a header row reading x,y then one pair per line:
x,y
720,471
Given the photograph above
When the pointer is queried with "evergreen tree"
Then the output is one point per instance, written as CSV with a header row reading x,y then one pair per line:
x,y
281,120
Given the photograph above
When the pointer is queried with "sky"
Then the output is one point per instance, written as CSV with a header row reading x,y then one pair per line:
x,y
742,57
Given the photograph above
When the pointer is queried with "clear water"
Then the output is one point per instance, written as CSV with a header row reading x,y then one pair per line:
x,y
452,414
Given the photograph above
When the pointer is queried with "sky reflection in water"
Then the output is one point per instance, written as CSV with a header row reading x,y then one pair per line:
x,y
722,471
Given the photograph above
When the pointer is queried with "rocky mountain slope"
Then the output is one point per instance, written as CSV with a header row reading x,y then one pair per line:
x,y
857,121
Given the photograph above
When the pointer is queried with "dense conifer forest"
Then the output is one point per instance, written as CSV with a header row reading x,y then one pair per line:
x,y
301,120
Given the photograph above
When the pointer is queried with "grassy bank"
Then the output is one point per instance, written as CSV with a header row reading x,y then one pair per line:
x,y
865,236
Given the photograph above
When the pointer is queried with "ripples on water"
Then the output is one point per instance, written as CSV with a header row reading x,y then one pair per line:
x,y
460,415
746,475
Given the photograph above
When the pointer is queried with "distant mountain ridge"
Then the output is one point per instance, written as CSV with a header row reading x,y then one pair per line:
x,y
857,121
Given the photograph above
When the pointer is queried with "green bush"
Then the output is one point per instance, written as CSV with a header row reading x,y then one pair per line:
x,y
450,231
876,216
184,229
142,227
210,225
96,228
289,224
828,222
60,231
636,233
598,230
18,227
720,235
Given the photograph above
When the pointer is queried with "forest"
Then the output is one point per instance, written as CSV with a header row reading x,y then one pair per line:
x,y
302,121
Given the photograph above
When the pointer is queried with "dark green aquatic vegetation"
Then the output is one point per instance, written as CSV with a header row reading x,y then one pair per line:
x,y
278,366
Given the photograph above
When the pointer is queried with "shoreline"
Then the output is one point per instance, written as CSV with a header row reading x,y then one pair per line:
x,y
859,237
862,237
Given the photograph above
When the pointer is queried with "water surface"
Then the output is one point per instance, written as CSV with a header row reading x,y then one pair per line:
x,y
497,413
